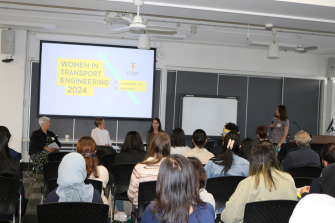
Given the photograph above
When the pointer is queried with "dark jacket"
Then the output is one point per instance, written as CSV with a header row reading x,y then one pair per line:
x,y
53,197
38,140
133,157
301,156
315,187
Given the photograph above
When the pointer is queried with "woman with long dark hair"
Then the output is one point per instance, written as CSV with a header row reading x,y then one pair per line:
x,y
178,145
266,181
228,163
280,125
147,170
155,128
245,148
177,195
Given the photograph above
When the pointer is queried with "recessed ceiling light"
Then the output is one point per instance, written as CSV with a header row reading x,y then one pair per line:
x,y
329,3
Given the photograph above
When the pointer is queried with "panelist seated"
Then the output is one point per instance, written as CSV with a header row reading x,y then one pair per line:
x,y
100,134
40,144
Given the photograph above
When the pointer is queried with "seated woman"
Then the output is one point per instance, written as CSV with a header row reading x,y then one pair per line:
x,y
178,145
132,152
155,128
245,148
87,148
182,203
100,134
228,163
266,181
202,176
148,169
39,142
9,167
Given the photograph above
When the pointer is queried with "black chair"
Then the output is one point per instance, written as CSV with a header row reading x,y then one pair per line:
x,y
51,185
102,151
210,145
275,211
9,203
74,212
108,163
306,171
122,174
146,194
302,181
50,171
97,184
56,157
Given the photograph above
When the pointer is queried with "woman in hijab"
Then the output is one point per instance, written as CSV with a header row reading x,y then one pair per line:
x,y
71,186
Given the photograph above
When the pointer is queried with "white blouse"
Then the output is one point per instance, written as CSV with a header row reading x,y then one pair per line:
x,y
101,137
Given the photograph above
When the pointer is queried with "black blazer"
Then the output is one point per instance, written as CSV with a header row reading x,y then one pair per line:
x,y
38,141
301,156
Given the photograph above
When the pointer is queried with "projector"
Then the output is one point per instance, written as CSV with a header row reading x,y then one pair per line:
x,y
7,60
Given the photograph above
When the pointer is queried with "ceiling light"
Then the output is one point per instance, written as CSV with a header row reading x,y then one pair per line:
x,y
312,2
144,42
193,29
273,51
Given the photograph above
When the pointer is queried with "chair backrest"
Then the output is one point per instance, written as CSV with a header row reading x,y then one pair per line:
x,y
97,184
7,190
108,163
302,181
146,194
210,145
306,171
122,174
50,171
222,188
275,211
50,185
102,151
74,212
56,157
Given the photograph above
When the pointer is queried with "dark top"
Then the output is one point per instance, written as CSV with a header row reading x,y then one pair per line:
x,y
315,187
15,155
204,215
133,157
217,150
39,140
301,156
53,197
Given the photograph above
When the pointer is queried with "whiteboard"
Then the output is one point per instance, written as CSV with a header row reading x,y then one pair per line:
x,y
208,114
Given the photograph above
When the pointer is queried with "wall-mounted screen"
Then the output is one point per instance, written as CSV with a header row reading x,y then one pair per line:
x,y
85,80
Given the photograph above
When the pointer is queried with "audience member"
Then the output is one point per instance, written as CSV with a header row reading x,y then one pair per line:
x,y
328,157
12,152
265,182
314,208
39,142
147,170
280,125
302,155
228,163
9,167
100,134
328,180
226,129
245,148
155,128
178,145
132,152
87,148
202,176
177,197
262,134
199,140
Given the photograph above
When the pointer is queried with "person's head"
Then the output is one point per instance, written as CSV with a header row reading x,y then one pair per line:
x,y
199,138
245,148
232,127
99,123
6,169
199,170
281,112
231,144
5,130
4,151
87,148
156,125
177,189
262,160
132,142
159,148
178,138
328,154
262,132
44,123
328,180
302,138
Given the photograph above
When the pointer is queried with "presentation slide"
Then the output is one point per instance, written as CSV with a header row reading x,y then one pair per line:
x,y
96,80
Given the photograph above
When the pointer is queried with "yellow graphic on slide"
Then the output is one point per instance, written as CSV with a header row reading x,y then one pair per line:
x,y
80,77
127,85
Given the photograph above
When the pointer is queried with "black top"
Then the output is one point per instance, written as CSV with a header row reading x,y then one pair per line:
x,y
315,187
53,197
301,156
133,157
39,140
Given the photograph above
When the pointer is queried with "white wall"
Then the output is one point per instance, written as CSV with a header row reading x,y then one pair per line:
x,y
12,78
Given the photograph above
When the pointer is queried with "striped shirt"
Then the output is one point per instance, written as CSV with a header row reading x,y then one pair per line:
x,y
142,173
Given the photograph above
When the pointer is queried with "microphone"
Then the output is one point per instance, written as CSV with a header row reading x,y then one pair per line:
x,y
297,125
271,123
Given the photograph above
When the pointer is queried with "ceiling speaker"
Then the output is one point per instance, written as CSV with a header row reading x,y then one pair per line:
x,y
161,54
7,42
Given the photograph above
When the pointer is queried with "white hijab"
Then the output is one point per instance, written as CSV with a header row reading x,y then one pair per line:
x,y
71,176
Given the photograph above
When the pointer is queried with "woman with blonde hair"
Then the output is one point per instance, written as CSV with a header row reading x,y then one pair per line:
x,y
266,181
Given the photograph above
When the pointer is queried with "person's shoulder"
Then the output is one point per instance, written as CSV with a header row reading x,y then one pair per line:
x,y
102,168
51,197
51,133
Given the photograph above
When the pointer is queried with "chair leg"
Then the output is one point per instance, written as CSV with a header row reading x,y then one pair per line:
x,y
113,209
20,208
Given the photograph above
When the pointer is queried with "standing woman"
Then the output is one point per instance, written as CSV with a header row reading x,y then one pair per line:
x,y
154,130
280,127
